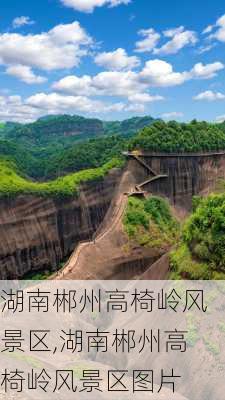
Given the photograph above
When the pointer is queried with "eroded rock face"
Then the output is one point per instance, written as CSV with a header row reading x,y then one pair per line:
x,y
187,176
38,233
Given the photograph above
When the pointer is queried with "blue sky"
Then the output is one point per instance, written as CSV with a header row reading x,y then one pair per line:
x,y
112,59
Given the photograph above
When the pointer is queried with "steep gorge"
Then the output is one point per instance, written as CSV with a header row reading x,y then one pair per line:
x,y
39,233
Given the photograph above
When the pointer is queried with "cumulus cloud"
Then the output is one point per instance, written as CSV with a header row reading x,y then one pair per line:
x,y
179,39
172,115
25,74
54,103
21,21
61,47
149,41
208,29
140,98
170,33
207,71
209,95
12,108
113,83
160,73
75,94
107,83
88,6
73,84
117,60
219,34
127,84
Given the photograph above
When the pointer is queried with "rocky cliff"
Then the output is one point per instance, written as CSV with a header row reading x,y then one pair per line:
x,y
38,233
187,175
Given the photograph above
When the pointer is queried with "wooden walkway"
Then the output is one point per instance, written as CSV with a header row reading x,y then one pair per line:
x,y
153,175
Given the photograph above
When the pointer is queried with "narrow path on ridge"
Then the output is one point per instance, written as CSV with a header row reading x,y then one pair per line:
x,y
85,261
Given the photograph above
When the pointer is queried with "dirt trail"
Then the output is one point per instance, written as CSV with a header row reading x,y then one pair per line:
x,y
86,260
98,257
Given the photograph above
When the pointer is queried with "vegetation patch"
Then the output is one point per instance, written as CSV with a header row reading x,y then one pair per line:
x,y
201,254
149,222
12,183
180,137
183,266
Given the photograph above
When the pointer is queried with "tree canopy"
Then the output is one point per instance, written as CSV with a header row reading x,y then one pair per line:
x,y
180,137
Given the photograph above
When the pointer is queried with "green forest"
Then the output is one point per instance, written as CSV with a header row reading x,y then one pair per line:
x,y
180,137
149,222
201,253
13,183
56,154
57,145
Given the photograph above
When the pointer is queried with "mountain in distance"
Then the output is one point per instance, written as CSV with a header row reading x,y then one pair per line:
x,y
70,128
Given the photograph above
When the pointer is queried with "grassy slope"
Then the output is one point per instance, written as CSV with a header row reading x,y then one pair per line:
x,y
150,223
201,253
200,249
12,183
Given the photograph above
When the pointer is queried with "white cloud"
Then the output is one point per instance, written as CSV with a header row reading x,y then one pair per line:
x,y
220,32
206,48
130,84
12,108
209,95
115,83
160,73
144,98
107,83
207,71
75,85
21,21
149,41
179,39
54,103
220,118
61,47
208,29
121,84
172,115
89,5
25,74
135,107
170,33
117,60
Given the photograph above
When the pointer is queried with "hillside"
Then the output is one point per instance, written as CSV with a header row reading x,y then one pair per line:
x,y
13,183
127,127
53,161
69,129
180,137
75,190
58,145
201,253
